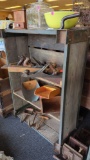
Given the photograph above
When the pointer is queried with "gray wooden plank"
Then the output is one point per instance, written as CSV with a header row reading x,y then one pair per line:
x,y
32,31
47,131
17,102
11,49
49,134
74,66
15,80
73,35
48,79
43,39
47,56
45,42
53,124
22,45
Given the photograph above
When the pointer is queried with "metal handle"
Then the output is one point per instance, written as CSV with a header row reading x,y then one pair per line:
x,y
68,17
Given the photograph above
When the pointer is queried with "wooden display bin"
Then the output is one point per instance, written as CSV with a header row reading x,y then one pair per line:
x,y
5,99
66,48
85,100
5,91
4,78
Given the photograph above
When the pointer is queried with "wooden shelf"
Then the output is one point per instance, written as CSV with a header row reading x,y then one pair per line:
x,y
49,130
14,68
54,80
32,31
20,95
36,104
85,102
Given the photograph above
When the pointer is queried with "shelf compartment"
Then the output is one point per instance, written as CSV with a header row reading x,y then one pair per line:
x,y
49,129
50,79
32,31
37,104
5,98
15,68
51,105
20,95
7,110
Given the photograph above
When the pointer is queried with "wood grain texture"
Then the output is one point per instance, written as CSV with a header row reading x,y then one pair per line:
x,y
17,102
45,42
43,39
31,31
22,46
11,49
14,68
74,66
15,80
49,79
47,131
49,134
47,56
15,47
4,84
5,100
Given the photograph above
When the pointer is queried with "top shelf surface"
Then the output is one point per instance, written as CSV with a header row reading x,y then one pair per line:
x,y
44,31
32,31
64,36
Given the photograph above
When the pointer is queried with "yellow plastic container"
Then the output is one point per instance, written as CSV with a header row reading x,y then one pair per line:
x,y
54,19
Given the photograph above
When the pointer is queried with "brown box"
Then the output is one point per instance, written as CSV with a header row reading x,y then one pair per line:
x,y
18,25
4,78
5,99
19,16
19,19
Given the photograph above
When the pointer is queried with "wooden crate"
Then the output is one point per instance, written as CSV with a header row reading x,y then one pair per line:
x,y
85,100
4,78
5,99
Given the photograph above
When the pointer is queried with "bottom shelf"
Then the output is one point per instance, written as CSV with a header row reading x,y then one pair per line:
x,y
7,110
36,104
49,129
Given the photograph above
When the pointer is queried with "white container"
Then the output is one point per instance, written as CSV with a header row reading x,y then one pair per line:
x,y
4,23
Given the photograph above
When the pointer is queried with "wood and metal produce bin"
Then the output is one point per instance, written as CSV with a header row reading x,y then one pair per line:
x,y
66,48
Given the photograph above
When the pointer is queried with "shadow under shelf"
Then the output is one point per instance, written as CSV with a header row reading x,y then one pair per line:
x,y
37,104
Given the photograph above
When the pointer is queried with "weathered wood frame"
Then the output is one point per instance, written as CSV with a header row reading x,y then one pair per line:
x,y
74,43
